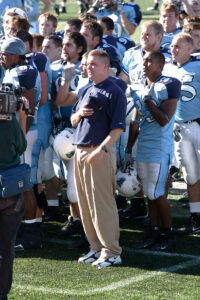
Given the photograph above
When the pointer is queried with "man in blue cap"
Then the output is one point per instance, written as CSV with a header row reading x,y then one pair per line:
x,y
20,74
11,208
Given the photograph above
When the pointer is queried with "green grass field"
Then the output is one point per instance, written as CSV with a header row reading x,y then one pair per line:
x,y
53,273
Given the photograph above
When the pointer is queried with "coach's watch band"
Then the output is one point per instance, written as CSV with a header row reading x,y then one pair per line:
x,y
104,148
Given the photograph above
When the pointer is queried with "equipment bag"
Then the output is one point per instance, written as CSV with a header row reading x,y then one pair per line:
x,y
15,180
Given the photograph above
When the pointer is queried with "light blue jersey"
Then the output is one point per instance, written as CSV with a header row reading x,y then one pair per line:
x,y
189,105
132,12
168,37
56,67
153,139
82,84
5,5
32,9
132,63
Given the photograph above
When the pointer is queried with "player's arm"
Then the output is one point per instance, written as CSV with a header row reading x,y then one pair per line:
x,y
165,112
127,25
47,6
30,96
44,90
187,5
124,77
133,130
64,97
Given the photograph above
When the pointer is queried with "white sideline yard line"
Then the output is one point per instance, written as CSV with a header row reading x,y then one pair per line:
x,y
149,252
111,287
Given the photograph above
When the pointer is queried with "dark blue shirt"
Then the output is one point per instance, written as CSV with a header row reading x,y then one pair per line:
x,y
109,104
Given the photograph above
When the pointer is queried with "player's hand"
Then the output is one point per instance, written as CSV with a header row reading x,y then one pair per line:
x,y
97,4
176,132
68,72
128,161
149,92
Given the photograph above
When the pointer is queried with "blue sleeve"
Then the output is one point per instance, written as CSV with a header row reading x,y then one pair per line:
x,y
40,61
118,110
27,76
133,13
173,88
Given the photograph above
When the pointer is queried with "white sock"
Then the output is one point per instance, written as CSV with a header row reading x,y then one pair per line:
x,y
194,207
63,4
53,202
39,220
30,221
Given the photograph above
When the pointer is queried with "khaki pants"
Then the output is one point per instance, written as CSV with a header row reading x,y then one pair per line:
x,y
95,187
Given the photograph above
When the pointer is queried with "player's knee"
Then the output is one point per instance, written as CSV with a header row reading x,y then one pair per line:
x,y
71,195
190,177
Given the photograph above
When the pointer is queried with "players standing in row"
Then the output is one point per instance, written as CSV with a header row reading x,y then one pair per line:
x,y
132,65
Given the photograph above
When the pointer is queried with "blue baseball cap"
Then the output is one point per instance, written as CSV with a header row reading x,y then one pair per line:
x,y
13,45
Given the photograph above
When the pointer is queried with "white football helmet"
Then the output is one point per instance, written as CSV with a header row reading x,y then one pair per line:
x,y
129,111
62,144
128,183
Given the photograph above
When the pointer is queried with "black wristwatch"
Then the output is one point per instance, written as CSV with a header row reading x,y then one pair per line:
x,y
104,148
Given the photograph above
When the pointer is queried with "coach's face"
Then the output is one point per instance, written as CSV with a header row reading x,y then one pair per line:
x,y
97,69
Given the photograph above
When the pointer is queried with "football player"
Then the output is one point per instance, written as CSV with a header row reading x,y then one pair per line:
x,y
126,16
47,24
21,74
74,46
93,34
155,100
188,124
32,9
169,19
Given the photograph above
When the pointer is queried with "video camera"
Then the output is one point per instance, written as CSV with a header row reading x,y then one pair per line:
x,y
10,100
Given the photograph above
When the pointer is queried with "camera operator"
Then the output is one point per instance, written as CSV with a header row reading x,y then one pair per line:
x,y
19,73
12,208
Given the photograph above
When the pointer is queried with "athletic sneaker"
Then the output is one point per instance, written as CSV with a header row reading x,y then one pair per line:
x,y
71,227
107,262
31,237
192,227
150,240
174,173
166,243
90,257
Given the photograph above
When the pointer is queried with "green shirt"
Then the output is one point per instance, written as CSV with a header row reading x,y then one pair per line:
x,y
12,143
